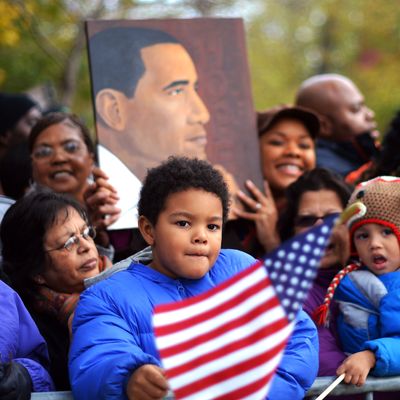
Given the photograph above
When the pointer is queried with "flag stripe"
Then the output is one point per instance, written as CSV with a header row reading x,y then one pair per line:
x,y
255,390
200,316
198,384
165,313
182,336
223,329
257,338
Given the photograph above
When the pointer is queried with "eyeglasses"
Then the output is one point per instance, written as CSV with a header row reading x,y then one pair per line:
x,y
43,152
88,233
305,221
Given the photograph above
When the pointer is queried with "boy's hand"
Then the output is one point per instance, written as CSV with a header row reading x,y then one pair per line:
x,y
147,383
357,366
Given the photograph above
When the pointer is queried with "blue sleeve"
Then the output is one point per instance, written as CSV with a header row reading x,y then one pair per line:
x,y
105,350
299,365
21,340
387,347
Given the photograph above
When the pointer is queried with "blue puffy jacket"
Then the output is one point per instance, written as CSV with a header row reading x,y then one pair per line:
x,y
20,340
370,317
112,332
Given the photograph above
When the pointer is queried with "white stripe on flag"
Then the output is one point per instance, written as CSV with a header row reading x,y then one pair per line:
x,y
165,318
216,321
231,336
246,353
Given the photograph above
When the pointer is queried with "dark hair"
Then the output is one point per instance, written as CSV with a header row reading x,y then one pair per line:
x,y
310,181
22,233
179,174
57,118
16,158
115,58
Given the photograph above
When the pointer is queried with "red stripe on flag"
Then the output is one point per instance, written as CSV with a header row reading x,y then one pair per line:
x,y
261,334
219,288
212,334
209,314
230,372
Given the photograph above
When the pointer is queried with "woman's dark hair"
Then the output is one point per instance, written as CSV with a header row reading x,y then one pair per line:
x,y
178,174
311,181
22,233
57,118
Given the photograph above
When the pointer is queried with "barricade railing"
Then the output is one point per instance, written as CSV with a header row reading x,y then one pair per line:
x,y
390,384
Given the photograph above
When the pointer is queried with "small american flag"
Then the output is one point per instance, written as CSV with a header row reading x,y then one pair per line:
x,y
227,342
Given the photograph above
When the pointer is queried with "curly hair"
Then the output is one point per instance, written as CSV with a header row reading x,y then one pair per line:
x,y
179,174
311,181
55,118
23,230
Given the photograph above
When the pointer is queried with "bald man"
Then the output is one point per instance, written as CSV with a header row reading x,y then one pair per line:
x,y
348,128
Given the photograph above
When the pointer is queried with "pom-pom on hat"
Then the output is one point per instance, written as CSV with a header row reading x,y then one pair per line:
x,y
381,198
12,108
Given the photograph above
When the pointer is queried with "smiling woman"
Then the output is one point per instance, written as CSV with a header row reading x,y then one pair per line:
x,y
287,150
48,252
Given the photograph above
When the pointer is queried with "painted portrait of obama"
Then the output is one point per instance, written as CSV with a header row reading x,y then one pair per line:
x,y
147,106
145,89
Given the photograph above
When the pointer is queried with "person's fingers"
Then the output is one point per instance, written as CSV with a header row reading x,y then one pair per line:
x,y
245,214
267,190
257,193
99,173
248,201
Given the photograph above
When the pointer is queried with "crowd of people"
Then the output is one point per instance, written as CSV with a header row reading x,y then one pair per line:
x,y
71,319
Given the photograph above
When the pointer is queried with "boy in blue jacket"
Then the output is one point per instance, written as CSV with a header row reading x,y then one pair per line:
x,y
368,292
183,205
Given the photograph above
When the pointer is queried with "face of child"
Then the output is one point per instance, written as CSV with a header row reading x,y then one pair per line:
x,y
186,239
378,248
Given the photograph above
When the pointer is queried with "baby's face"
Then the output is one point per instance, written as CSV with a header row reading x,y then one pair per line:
x,y
186,239
378,248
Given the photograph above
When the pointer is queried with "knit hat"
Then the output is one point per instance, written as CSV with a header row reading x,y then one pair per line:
x,y
381,198
376,201
12,108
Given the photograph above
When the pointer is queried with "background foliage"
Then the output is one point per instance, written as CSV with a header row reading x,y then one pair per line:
x,y
42,45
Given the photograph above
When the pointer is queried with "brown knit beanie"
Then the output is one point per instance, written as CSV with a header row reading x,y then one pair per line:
x,y
381,198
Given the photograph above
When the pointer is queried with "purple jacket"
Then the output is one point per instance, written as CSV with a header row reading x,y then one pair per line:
x,y
330,353
20,340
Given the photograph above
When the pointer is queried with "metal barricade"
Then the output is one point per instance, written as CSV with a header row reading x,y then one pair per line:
x,y
389,384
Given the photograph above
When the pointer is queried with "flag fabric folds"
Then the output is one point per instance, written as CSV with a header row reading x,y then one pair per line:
x,y
227,342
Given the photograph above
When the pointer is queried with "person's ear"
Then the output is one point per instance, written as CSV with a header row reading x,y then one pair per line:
x,y
147,230
326,127
111,107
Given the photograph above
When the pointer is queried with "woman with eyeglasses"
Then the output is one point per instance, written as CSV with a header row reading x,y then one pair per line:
x,y
63,159
316,195
48,253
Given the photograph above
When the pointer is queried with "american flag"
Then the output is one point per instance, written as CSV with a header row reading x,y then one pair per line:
x,y
227,342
